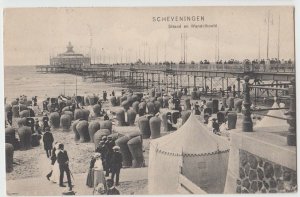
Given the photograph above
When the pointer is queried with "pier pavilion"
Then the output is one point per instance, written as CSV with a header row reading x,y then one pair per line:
x,y
70,59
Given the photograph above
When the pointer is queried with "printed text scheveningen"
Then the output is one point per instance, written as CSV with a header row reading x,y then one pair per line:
x,y
177,18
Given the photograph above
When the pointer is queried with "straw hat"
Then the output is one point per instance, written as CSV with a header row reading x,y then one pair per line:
x,y
104,137
97,155
116,148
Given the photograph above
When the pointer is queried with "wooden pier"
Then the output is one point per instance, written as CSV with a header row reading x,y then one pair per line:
x,y
177,76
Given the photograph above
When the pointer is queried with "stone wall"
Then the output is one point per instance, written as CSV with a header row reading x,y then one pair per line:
x,y
259,175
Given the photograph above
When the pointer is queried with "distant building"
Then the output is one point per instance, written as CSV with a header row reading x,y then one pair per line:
x,y
70,59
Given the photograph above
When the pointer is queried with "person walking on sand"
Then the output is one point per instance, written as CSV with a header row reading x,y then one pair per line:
x,y
48,141
53,160
63,162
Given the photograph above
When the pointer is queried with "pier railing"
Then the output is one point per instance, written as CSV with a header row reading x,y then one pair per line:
x,y
237,68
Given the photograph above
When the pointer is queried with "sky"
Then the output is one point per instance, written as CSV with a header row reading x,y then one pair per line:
x,y
32,35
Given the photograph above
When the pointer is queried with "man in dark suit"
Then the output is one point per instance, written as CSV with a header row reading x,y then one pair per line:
x,y
109,144
48,141
45,122
116,164
63,162
111,188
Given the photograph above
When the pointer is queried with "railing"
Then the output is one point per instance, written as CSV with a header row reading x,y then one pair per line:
x,y
207,67
237,68
187,186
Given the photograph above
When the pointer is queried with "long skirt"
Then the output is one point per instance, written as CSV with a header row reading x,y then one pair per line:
x,y
99,178
90,178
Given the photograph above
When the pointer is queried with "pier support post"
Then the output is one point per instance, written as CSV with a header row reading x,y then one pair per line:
x,y
223,83
239,86
159,81
167,82
205,85
227,86
143,78
152,77
255,91
147,81
188,82
194,81
211,86
174,85
291,137
276,91
247,121
177,81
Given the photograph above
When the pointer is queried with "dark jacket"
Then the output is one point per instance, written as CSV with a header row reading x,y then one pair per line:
x,y
9,115
216,126
53,156
116,161
113,191
48,140
62,157
92,162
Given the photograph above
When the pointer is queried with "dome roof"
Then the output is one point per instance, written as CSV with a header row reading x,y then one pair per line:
x,y
192,138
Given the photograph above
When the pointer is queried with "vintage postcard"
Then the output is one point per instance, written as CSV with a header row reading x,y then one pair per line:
x,y
156,100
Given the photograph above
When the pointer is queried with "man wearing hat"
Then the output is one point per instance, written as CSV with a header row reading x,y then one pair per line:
x,y
48,141
37,126
45,121
197,108
169,122
116,164
110,143
63,162
102,149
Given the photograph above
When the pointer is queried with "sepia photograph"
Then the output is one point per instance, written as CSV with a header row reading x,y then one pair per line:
x,y
149,100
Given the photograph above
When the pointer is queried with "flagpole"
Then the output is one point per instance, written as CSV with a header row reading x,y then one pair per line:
x,y
268,34
259,44
278,37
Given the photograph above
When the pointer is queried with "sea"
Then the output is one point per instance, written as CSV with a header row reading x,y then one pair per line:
x,y
24,80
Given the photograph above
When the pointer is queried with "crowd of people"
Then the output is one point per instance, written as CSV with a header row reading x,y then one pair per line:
x,y
106,160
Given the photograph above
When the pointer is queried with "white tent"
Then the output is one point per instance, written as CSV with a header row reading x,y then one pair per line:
x,y
274,122
202,155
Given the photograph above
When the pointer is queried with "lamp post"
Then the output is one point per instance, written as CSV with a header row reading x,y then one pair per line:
x,y
247,121
291,137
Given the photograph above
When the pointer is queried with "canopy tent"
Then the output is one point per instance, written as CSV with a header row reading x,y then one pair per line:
x,y
274,122
201,155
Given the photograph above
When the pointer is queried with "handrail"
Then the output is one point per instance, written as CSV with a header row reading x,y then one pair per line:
x,y
189,185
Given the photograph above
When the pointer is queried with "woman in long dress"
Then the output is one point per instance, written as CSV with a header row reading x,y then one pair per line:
x,y
55,172
99,177
90,176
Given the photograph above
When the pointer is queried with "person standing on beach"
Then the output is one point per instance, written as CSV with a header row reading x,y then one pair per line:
x,y
37,126
113,93
104,95
63,162
48,141
109,144
45,121
116,164
9,116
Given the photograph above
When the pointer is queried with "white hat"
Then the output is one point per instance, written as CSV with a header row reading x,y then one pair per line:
x,y
116,148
